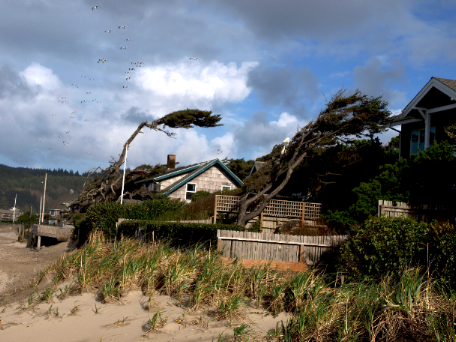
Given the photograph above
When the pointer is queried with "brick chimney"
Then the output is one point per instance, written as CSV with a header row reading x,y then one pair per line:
x,y
171,163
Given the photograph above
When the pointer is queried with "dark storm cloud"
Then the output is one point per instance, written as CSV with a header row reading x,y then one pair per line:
x,y
374,79
285,88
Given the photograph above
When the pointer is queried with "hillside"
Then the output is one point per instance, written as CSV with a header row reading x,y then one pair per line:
x,y
28,184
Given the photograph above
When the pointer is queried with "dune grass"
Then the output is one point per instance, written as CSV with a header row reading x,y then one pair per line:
x,y
412,308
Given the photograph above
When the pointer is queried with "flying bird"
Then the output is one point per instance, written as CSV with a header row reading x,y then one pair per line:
x,y
123,47
128,78
54,114
68,132
108,31
63,98
127,72
39,140
83,76
60,136
129,39
73,112
88,152
125,86
71,117
94,8
194,58
122,26
131,68
98,101
86,120
88,93
91,79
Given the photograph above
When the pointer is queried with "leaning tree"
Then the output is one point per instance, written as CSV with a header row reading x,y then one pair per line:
x,y
344,118
104,184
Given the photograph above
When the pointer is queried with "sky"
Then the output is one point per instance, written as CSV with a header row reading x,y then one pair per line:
x,y
267,66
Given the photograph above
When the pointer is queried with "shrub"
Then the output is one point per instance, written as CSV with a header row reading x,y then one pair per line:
x,y
179,234
442,250
383,245
199,195
104,216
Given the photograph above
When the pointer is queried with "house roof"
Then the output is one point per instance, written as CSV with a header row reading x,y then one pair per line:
x,y
191,172
442,87
257,165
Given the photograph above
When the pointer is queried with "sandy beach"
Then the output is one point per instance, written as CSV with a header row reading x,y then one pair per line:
x,y
83,317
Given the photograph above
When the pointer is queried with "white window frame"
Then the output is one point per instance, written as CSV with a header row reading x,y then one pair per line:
x,y
225,186
187,191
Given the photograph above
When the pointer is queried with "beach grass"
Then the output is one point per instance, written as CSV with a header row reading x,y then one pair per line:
x,y
412,308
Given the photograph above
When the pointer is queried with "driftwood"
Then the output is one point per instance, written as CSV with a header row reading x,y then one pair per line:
x,y
104,185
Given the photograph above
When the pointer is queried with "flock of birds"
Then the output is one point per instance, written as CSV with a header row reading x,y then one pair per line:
x,y
63,100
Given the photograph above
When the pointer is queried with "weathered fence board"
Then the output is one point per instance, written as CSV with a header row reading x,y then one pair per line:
x,y
277,247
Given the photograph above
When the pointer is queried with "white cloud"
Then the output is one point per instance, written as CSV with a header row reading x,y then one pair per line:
x,y
37,75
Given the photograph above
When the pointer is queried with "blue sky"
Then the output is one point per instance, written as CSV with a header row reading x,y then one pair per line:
x,y
265,65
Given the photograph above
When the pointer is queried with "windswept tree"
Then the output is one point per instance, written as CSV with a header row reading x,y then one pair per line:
x,y
104,184
344,119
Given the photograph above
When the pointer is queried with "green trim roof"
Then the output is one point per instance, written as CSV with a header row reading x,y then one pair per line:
x,y
173,187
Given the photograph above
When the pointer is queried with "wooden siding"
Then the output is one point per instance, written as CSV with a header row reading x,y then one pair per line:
x,y
211,180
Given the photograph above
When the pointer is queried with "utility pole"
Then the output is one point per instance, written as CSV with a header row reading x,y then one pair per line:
x,y
44,195
123,180
41,203
14,209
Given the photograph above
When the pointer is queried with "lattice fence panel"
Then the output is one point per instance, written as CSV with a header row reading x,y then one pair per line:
x,y
280,208
228,204
312,211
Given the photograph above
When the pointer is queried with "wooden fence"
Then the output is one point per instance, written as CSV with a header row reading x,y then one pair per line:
x,y
304,211
277,247
421,212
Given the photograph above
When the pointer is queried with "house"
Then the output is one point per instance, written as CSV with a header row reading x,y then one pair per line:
x,y
424,119
8,214
181,183
257,165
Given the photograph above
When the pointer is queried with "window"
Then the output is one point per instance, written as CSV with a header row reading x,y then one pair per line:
x,y
417,140
226,187
191,189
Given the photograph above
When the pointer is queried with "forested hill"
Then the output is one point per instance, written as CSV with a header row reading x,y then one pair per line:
x,y
28,184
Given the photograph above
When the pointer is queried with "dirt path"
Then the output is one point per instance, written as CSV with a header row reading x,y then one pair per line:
x,y
19,265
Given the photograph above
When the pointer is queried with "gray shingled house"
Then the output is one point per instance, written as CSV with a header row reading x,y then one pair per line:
x,y
183,182
424,119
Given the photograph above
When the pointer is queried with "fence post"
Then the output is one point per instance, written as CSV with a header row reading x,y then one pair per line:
x,y
219,241
261,221
215,210
303,215
301,253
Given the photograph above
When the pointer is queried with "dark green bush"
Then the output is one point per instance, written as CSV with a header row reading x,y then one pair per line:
x,y
104,216
383,245
199,195
179,234
442,250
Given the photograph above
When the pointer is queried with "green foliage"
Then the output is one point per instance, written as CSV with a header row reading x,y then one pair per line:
x,y
178,233
26,218
199,195
239,167
188,117
4,203
442,250
426,178
104,216
383,245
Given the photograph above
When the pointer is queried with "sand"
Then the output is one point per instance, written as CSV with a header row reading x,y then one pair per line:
x,y
57,320
124,321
